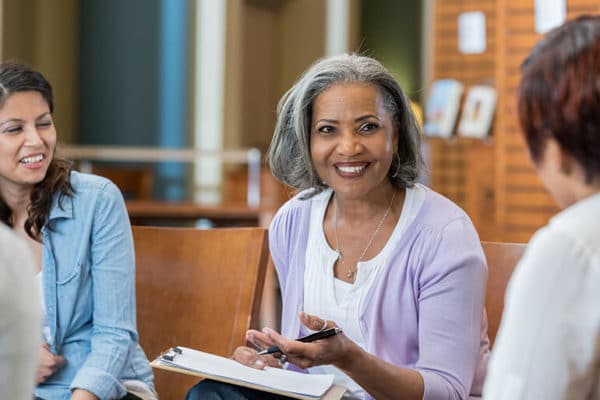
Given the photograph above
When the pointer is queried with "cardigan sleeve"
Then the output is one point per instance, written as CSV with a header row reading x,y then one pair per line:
x,y
451,298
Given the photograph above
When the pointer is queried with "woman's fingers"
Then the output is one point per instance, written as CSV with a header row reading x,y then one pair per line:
x,y
48,363
315,323
258,339
248,357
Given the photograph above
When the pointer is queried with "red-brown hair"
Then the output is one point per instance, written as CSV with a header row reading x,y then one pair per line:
x,y
559,93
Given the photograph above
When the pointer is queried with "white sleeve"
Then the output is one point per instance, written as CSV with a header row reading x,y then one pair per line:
x,y
546,346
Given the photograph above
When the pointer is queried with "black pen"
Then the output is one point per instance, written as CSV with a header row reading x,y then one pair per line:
x,y
306,339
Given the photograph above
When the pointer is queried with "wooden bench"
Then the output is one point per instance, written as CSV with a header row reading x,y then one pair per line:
x,y
196,288
502,259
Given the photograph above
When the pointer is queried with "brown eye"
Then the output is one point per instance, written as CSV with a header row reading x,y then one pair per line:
x,y
326,129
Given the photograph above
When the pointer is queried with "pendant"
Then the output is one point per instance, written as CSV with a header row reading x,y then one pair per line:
x,y
351,275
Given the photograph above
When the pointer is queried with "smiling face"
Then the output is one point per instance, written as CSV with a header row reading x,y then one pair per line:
x,y
27,140
352,140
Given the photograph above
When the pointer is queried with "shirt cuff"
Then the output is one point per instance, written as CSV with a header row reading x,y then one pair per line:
x,y
435,387
102,384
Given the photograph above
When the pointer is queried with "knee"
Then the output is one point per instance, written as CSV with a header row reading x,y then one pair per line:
x,y
209,390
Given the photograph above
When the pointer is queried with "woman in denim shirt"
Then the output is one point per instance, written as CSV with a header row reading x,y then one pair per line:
x,y
78,230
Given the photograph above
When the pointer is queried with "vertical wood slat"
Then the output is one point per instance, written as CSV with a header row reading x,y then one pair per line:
x,y
461,168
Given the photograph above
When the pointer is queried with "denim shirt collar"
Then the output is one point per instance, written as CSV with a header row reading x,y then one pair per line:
x,y
62,207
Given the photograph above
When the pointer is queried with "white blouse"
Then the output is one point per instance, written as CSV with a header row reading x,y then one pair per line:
x,y
548,344
339,301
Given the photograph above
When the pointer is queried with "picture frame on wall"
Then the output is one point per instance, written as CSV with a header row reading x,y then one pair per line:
x,y
441,109
478,112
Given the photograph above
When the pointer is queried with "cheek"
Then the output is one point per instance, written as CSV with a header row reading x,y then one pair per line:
x,y
50,138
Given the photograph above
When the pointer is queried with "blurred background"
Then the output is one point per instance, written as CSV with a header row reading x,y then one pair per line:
x,y
206,75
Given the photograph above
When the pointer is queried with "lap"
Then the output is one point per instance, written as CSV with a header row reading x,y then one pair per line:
x,y
213,390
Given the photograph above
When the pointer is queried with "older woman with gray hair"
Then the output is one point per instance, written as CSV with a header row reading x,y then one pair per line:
x,y
363,247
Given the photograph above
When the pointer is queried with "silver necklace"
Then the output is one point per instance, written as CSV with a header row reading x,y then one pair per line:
x,y
350,273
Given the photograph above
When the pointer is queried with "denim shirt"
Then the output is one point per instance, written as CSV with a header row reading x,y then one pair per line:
x,y
89,290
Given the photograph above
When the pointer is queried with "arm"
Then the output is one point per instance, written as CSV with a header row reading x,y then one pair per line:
x,y
451,301
547,345
113,280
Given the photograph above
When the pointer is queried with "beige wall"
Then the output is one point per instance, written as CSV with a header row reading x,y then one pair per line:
x,y
44,34
301,38
269,43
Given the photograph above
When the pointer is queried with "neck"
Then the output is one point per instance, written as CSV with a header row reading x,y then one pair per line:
x,y
365,208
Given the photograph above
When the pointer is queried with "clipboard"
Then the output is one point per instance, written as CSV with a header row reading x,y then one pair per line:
x,y
289,383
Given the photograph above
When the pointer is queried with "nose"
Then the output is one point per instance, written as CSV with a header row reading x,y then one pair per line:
x,y
349,143
33,137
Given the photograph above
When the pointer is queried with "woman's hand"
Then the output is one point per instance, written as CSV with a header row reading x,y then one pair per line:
x,y
335,350
250,358
48,364
80,394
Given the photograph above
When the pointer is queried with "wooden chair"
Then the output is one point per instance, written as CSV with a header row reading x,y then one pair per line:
x,y
134,182
502,259
196,288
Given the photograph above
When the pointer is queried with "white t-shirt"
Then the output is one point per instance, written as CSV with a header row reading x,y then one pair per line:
x,y
20,334
548,344
339,301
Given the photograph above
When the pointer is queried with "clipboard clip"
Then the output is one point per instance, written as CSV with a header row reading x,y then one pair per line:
x,y
170,355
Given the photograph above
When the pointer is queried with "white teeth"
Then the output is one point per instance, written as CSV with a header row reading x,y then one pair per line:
x,y
352,169
33,159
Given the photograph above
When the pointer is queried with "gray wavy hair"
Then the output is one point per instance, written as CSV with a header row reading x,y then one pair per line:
x,y
289,153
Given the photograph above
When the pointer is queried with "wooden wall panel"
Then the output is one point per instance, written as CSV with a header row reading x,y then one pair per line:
x,y
493,181
522,204
463,169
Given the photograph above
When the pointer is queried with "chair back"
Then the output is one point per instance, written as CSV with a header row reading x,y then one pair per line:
x,y
196,288
501,260
134,183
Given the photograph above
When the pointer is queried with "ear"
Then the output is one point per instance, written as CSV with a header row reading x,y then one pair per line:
x,y
556,156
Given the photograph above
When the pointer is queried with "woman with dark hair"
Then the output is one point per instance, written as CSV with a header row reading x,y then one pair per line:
x,y
548,342
78,231
363,247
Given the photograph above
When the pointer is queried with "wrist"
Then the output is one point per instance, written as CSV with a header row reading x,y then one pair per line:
x,y
82,394
352,356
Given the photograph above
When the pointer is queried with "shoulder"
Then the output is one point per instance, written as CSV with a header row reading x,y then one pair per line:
x,y
577,225
440,220
439,211
296,209
90,183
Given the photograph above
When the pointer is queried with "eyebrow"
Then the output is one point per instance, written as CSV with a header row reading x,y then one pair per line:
x,y
361,118
21,120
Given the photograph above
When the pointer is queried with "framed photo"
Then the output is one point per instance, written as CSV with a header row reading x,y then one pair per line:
x,y
442,107
478,112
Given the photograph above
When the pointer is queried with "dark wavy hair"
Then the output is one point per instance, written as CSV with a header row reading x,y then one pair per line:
x,y
559,93
14,78
289,152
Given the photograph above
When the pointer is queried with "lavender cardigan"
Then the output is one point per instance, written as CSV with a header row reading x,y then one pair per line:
x,y
427,309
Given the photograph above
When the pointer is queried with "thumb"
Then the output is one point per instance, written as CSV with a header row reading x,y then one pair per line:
x,y
60,361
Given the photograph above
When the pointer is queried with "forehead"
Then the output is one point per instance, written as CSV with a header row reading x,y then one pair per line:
x,y
349,96
19,104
